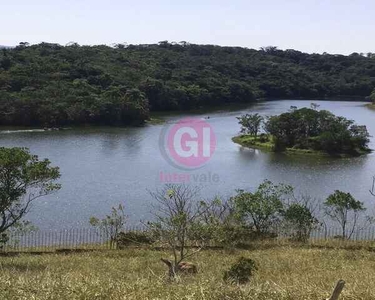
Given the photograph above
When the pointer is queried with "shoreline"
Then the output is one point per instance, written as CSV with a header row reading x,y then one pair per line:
x,y
249,142
158,117
334,98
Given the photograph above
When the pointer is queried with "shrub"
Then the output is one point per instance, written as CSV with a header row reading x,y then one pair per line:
x,y
263,138
125,239
3,240
242,235
299,221
111,225
233,235
241,272
262,208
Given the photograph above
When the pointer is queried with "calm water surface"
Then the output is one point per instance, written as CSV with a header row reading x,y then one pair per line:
x,y
102,167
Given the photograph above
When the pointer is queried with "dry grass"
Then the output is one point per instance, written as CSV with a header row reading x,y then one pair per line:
x,y
285,272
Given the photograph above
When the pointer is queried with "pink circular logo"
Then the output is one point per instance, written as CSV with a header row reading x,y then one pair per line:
x,y
190,143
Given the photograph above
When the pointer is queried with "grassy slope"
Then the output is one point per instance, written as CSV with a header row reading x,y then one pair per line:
x,y
284,273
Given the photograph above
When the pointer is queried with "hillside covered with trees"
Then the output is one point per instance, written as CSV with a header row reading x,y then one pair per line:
x,y
53,85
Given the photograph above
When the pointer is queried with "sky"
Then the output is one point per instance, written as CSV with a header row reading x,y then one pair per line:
x,y
315,26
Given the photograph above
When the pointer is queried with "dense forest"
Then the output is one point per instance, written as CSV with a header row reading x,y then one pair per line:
x,y
53,85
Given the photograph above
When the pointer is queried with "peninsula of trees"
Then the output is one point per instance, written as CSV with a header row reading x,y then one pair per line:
x,y
50,84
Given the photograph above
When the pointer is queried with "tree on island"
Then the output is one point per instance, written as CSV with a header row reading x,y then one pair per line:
x,y
307,128
23,179
250,123
372,96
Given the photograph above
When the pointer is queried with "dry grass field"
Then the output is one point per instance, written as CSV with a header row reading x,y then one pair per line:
x,y
285,272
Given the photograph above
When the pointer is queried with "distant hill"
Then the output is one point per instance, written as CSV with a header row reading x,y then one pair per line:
x,y
58,85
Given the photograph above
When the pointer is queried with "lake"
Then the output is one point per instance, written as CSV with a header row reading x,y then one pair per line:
x,y
102,167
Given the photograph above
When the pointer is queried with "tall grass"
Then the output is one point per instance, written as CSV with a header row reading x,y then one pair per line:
x,y
285,272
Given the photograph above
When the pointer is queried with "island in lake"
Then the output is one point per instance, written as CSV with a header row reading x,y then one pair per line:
x,y
304,131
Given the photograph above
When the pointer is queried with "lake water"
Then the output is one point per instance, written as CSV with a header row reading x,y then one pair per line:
x,y
102,167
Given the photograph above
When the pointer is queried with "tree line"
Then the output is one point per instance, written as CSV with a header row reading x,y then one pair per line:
x,y
185,224
54,85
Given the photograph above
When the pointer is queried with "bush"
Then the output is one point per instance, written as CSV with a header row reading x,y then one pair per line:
x,y
241,272
3,240
236,234
263,138
133,238
262,208
111,225
299,222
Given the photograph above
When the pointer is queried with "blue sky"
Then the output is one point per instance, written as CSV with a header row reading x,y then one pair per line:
x,y
334,26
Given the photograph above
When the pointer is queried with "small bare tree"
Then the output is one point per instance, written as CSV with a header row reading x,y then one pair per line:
x,y
372,191
177,223
217,211
111,225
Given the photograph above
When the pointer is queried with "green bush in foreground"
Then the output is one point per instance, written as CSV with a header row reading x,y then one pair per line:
x,y
23,179
345,209
111,225
299,221
242,271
